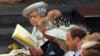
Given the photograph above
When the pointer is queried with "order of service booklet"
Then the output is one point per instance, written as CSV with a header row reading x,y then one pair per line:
x,y
23,36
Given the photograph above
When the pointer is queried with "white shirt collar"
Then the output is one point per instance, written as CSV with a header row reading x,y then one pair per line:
x,y
78,52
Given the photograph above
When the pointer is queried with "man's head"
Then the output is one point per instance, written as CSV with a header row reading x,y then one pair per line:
x,y
74,36
35,12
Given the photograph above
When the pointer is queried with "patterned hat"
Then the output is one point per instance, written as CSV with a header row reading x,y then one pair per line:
x,y
33,7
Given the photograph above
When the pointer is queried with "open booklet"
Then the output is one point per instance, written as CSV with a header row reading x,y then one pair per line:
x,y
24,37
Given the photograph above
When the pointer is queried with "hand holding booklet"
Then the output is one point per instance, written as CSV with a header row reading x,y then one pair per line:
x,y
24,37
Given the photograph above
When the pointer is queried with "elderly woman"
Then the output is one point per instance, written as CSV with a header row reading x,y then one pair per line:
x,y
35,13
43,23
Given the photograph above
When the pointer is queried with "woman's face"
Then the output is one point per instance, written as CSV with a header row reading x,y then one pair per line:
x,y
34,18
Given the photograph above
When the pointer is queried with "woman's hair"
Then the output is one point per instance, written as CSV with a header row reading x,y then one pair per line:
x,y
93,37
93,51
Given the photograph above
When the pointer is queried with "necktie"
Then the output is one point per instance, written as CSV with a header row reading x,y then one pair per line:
x,y
74,55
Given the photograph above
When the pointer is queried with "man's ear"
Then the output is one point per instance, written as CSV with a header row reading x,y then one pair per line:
x,y
77,39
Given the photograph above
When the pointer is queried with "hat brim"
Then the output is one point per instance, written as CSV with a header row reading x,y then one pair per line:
x,y
33,7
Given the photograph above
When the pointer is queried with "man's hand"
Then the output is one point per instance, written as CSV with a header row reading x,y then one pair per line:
x,y
36,51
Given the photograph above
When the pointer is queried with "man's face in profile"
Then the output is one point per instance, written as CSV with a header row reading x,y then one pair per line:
x,y
70,41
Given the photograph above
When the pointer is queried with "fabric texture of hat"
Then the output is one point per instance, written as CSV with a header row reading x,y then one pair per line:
x,y
88,44
58,33
33,7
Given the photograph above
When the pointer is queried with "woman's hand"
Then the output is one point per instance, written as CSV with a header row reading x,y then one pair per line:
x,y
53,13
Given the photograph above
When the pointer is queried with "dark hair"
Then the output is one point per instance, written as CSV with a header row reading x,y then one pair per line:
x,y
77,32
93,51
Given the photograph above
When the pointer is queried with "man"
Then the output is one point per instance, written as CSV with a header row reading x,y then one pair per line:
x,y
74,39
